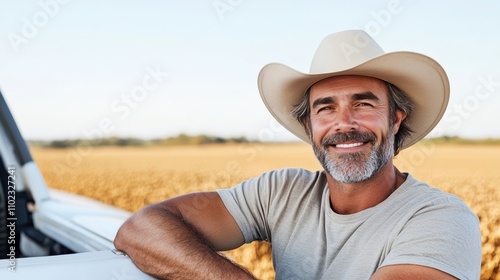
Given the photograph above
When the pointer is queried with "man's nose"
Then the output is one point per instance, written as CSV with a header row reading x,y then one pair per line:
x,y
345,120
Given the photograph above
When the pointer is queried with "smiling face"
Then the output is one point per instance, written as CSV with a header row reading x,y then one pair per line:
x,y
350,128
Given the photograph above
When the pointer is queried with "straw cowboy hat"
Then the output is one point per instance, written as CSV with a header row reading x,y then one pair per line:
x,y
354,52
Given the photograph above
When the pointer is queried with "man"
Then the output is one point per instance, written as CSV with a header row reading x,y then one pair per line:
x,y
361,217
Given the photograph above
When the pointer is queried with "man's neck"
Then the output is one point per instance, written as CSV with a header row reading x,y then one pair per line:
x,y
355,197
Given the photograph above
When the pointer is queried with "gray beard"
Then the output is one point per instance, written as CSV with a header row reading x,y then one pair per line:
x,y
358,166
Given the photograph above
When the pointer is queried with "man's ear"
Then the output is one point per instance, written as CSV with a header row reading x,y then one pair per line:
x,y
399,116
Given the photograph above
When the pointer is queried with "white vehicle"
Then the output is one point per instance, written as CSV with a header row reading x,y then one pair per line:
x,y
48,234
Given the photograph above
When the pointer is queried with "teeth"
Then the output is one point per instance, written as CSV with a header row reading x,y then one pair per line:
x,y
350,145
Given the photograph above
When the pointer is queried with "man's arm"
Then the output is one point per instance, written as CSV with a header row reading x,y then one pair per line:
x,y
179,239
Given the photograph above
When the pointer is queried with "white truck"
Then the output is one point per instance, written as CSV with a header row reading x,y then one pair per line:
x,y
49,234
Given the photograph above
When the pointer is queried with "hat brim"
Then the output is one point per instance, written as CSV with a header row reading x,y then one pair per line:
x,y
419,76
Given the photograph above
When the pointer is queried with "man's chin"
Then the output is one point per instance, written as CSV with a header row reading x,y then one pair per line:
x,y
349,177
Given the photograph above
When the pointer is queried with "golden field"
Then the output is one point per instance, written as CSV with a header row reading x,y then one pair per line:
x,y
133,177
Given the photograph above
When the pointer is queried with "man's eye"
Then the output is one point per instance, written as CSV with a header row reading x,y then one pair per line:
x,y
324,109
364,104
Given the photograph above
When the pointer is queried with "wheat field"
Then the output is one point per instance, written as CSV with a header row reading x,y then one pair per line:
x,y
133,177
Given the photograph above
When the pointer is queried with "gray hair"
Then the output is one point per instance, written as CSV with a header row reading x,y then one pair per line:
x,y
398,101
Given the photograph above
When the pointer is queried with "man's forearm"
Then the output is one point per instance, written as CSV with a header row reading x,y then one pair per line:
x,y
161,244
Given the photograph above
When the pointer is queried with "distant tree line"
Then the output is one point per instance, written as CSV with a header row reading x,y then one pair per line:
x,y
185,139
181,139
463,141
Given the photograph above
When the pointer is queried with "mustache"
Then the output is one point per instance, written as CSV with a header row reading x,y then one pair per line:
x,y
341,137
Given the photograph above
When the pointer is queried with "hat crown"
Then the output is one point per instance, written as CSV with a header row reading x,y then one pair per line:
x,y
344,50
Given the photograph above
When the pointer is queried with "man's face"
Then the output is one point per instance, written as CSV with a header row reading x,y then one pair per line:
x,y
350,126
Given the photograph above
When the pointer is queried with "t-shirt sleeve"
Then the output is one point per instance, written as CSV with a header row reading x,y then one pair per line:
x,y
260,203
248,203
434,237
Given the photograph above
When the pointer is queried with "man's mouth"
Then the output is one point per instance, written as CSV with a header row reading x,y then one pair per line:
x,y
348,145
352,141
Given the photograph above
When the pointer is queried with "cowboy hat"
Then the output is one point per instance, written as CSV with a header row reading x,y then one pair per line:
x,y
354,52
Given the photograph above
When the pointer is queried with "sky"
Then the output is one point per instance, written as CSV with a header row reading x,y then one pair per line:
x,y
153,69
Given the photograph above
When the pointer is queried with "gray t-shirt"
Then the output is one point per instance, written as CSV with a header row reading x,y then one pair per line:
x,y
416,224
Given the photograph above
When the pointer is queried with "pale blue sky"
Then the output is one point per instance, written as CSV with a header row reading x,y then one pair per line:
x,y
67,67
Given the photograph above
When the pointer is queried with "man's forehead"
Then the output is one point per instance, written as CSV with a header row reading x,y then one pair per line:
x,y
348,85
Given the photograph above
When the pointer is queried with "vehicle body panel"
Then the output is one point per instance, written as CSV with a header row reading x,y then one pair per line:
x,y
107,264
56,235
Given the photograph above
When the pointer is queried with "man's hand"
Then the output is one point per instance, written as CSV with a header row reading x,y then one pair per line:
x,y
179,239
